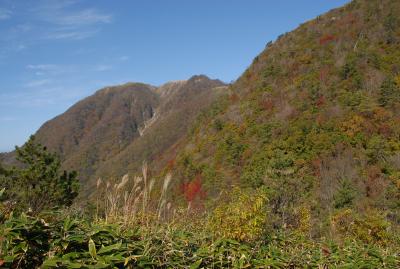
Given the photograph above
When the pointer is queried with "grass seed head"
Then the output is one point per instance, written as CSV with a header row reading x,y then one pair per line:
x,y
123,182
167,180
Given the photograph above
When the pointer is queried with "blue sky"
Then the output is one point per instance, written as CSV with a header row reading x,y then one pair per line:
x,y
55,52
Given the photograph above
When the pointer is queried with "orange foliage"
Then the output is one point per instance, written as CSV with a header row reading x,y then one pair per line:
x,y
381,115
326,39
267,104
193,190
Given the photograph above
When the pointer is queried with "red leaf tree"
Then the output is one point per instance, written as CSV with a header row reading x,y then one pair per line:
x,y
193,192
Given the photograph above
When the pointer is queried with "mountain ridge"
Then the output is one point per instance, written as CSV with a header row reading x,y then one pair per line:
x,y
101,127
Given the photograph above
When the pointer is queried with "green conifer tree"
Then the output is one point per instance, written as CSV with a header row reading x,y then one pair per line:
x,y
39,183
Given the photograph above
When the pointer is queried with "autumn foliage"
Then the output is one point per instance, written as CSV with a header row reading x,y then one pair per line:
x,y
193,191
326,39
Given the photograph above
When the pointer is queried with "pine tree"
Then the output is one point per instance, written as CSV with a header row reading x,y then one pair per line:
x,y
39,183
390,93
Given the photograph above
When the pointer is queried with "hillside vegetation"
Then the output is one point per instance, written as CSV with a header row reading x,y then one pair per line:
x,y
316,120
296,166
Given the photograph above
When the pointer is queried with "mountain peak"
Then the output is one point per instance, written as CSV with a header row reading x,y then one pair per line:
x,y
137,86
204,79
199,78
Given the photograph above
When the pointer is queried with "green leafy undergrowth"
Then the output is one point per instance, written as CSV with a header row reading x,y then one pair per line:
x,y
28,242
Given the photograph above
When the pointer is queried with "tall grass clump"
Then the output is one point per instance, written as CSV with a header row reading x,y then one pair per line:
x,y
130,199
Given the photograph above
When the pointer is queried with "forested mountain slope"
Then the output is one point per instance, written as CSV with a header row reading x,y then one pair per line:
x,y
315,119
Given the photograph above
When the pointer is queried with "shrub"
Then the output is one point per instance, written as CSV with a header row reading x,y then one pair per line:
x,y
345,195
24,242
369,228
243,218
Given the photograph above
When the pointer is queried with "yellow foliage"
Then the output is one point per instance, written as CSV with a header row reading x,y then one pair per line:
x,y
397,80
243,218
396,179
370,228
305,219
342,220
353,126
382,115
306,59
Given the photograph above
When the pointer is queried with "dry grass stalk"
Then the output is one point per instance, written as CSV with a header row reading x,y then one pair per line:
x,y
129,200
163,198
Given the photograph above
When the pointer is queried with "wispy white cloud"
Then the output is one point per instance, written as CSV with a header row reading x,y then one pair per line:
x,y
38,83
7,118
49,83
71,35
42,67
68,22
50,70
51,5
84,17
53,20
5,14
